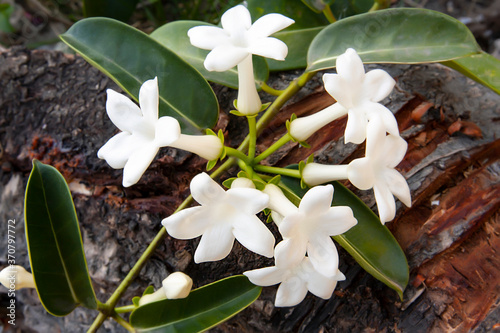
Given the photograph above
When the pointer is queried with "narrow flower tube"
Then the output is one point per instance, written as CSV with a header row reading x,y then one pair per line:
x,y
302,128
278,202
315,173
249,102
16,277
208,147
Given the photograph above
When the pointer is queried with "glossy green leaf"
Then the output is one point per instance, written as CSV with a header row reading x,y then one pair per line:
x,y
482,68
174,36
117,9
370,243
345,8
399,35
204,308
54,243
130,57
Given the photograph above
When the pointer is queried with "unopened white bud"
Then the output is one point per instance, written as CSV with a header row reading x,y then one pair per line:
x,y
16,277
177,285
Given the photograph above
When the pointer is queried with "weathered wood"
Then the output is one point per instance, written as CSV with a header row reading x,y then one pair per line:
x,y
52,108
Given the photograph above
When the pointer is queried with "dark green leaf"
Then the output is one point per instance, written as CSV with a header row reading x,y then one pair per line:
x,y
369,242
344,8
117,9
400,35
174,36
54,243
317,5
482,68
131,57
5,12
204,308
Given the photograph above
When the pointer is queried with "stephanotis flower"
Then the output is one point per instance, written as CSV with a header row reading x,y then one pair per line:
x,y
234,44
360,93
376,170
222,217
143,134
308,228
295,280
176,285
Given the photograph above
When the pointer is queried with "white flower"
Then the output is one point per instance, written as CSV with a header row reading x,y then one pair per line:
x,y
295,280
359,93
308,228
222,217
16,277
176,285
302,128
143,134
234,44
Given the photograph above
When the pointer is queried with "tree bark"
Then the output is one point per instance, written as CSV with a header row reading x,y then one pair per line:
x,y
53,109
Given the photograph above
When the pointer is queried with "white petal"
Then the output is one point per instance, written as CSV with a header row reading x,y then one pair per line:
x,y
355,130
337,220
376,110
339,89
398,186
123,112
350,67
207,37
215,244
254,235
291,292
205,190
323,255
248,200
290,227
317,200
377,85
236,18
266,276
269,24
376,140
397,146
167,130
319,284
137,163
278,201
385,202
224,57
269,48
188,223
148,100
290,252
361,173
177,285
118,149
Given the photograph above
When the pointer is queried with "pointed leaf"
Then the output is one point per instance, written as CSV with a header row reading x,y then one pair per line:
x,y
399,35
482,68
54,243
370,243
204,308
130,57
174,36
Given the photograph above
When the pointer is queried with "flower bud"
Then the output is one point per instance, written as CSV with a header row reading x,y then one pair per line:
x,y
16,277
177,285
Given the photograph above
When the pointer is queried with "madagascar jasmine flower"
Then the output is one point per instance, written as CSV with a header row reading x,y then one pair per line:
x,y
16,277
302,128
376,170
308,228
359,93
222,217
176,285
142,134
294,280
233,45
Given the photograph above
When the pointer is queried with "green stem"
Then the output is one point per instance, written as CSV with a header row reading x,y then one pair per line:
x,y
126,308
123,323
329,15
278,171
275,146
379,4
238,154
271,90
252,133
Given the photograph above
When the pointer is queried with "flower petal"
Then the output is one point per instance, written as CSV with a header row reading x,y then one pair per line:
x,y
254,235
207,37
118,149
398,186
337,220
385,202
355,130
361,174
205,190
148,100
269,24
397,146
323,255
123,112
376,110
350,67
248,200
291,292
375,141
224,57
319,284
137,163
215,244
236,18
339,89
266,276
290,252
377,85
317,200
269,48
167,131
188,223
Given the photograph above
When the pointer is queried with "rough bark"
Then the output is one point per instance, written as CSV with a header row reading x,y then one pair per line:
x,y
53,109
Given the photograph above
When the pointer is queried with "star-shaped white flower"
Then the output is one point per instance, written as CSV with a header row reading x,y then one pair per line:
x,y
295,280
360,93
222,217
308,228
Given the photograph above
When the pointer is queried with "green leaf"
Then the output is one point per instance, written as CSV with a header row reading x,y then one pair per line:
x,y
54,243
131,57
316,5
482,68
204,308
345,8
116,9
370,243
174,36
399,35
6,11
